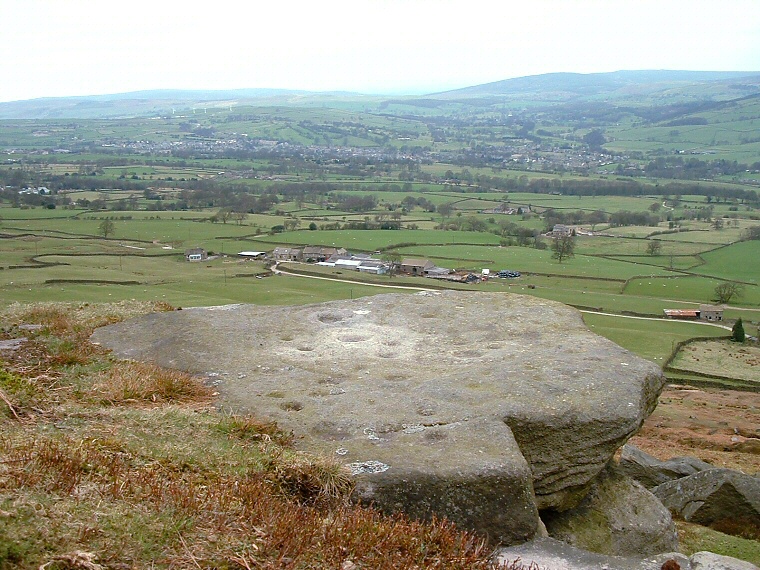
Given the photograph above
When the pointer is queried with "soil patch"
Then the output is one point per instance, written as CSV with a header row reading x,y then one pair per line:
x,y
721,427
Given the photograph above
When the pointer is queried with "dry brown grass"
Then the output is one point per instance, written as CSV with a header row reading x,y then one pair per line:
x,y
79,488
227,521
138,382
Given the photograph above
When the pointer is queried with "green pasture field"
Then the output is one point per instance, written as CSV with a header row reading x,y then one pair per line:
x,y
475,205
604,245
160,171
429,192
602,296
530,260
372,240
164,227
207,291
714,238
673,262
650,339
8,214
724,135
586,203
688,288
635,231
738,261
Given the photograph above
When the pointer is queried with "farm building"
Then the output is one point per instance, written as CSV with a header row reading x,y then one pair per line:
x,y
692,314
286,254
317,253
416,266
373,266
561,230
252,254
705,313
347,263
711,312
196,254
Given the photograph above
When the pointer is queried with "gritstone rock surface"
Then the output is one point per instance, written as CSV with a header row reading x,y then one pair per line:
x,y
482,407
618,517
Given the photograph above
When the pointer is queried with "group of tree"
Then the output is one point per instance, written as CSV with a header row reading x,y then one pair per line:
x,y
355,202
626,218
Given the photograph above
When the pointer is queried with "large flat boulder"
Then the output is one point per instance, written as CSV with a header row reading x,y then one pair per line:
x,y
483,407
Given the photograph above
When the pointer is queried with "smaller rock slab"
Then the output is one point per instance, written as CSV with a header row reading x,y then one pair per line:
x,y
551,554
712,497
12,344
650,471
712,561
618,517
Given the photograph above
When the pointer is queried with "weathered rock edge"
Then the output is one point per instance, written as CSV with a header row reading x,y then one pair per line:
x,y
481,407
713,496
550,554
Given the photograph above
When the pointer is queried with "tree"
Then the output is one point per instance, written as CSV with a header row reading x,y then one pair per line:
x,y
752,232
106,228
224,214
563,247
737,331
292,224
597,217
727,291
654,247
240,217
718,223
393,259
445,209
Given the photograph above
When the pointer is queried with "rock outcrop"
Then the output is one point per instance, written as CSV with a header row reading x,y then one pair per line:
x,y
650,471
480,407
618,517
711,561
550,554
721,498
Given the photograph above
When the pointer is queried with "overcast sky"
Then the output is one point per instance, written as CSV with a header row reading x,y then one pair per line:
x,y
54,48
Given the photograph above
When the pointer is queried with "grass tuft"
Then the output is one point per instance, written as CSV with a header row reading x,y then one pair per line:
x,y
311,480
137,382
248,428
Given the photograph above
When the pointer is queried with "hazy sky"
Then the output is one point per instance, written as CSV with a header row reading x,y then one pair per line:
x,y
83,47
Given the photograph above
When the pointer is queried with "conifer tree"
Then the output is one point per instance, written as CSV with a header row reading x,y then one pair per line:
x,y
737,331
